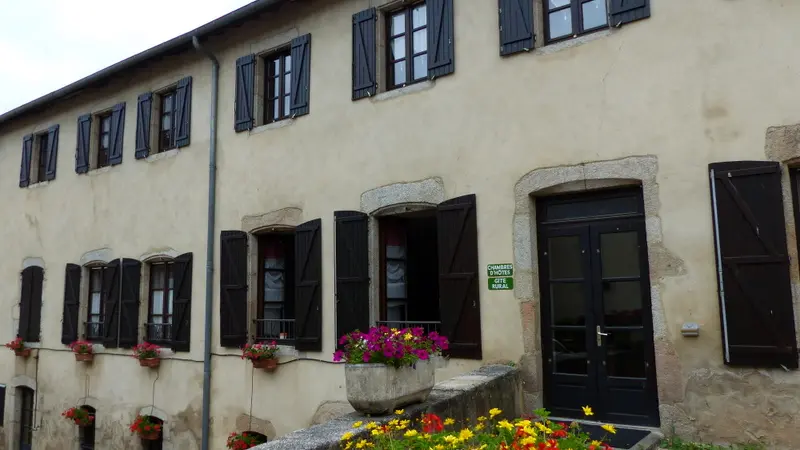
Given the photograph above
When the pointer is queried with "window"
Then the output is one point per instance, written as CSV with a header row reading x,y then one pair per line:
x,y
275,319
162,292
25,418
408,46
87,433
278,89
166,134
156,444
95,310
30,306
2,403
569,18
41,158
104,141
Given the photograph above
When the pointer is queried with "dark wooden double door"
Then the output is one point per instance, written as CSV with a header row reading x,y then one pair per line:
x,y
597,332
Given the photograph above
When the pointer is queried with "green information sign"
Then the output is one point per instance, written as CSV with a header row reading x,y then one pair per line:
x,y
500,270
501,284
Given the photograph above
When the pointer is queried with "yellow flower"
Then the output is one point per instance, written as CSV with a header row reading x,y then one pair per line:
x,y
482,447
450,439
438,447
587,410
377,432
494,411
410,433
481,418
372,425
347,436
479,427
465,434
399,411
349,445
394,422
523,423
357,424
529,430
609,428
449,421
362,443
405,422
530,440
505,424
394,330
408,336
597,443
543,428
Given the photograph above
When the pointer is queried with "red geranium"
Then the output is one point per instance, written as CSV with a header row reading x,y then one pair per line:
x,y
16,345
82,347
144,424
80,416
146,350
245,440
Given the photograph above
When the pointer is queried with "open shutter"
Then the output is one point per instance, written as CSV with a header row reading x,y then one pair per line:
x,y
72,295
2,404
84,138
129,313
516,26
308,286
116,134
110,298
30,307
233,289
183,112
182,303
25,165
441,48
26,289
352,272
626,11
245,84
364,54
52,154
301,74
753,265
144,109
459,298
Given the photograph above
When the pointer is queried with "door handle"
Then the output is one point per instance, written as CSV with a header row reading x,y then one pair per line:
x,y
603,334
600,335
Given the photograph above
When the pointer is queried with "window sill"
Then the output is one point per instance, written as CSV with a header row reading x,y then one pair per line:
x,y
102,170
574,42
32,344
407,90
162,155
37,185
272,126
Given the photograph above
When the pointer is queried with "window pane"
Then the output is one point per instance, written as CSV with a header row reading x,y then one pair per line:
x,y
396,311
560,23
399,73
421,40
619,254
166,122
274,284
276,109
276,87
287,103
157,273
399,47
94,306
568,302
158,302
558,3
97,280
622,303
171,283
594,14
421,67
106,124
170,295
625,350
168,103
276,66
419,16
287,83
104,141
569,351
395,279
398,24
287,64
565,257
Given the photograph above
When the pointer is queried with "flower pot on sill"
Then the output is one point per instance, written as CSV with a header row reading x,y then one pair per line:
x,y
150,435
150,362
25,352
379,389
270,365
84,357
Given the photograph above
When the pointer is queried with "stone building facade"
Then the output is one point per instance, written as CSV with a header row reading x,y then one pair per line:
x,y
376,161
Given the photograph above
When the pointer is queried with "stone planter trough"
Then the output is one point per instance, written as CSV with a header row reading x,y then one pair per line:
x,y
380,389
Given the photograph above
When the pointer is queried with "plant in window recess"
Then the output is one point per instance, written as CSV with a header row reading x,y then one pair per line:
x,y
386,368
263,356
83,351
18,345
79,416
146,428
149,355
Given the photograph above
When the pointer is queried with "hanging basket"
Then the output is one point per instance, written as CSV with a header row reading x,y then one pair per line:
x,y
267,364
150,435
25,352
84,357
150,362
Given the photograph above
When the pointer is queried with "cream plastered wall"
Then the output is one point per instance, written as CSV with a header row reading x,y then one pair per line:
x,y
697,82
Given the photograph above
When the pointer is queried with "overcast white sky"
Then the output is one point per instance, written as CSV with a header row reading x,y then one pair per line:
x,y
47,44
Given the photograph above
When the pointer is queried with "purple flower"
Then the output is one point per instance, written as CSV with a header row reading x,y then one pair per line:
x,y
338,355
365,358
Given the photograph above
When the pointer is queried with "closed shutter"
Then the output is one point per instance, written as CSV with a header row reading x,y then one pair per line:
x,y
72,295
30,313
129,304
116,134
25,165
2,404
26,289
626,11
301,75
753,265
233,289
364,54
144,110
459,298
245,84
182,304
516,26
84,139
183,112
110,298
52,154
308,286
352,272
441,48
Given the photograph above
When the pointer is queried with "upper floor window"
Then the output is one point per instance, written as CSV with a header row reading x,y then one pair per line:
x,y
163,119
30,305
278,87
408,45
566,19
95,310
104,140
162,293
166,134
41,156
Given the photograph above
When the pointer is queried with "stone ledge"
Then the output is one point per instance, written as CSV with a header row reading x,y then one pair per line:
x,y
464,397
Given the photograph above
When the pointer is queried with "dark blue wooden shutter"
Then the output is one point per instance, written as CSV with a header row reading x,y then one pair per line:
x,y
308,286
129,304
84,139
30,307
144,110
110,297
755,286
72,296
626,11
116,134
245,84
2,404
352,272
364,54
26,288
441,36
183,112
516,26
25,165
52,154
301,75
182,304
459,291
233,289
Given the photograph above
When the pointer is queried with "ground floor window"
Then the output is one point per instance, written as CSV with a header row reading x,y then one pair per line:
x,y
87,433
158,443
275,315
94,312
25,397
162,293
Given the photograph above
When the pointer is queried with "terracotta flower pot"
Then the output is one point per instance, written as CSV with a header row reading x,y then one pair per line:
x,y
85,357
270,365
149,435
25,352
150,362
